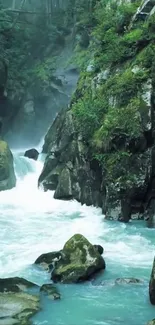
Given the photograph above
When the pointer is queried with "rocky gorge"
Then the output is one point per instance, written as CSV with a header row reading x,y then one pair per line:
x,y
93,85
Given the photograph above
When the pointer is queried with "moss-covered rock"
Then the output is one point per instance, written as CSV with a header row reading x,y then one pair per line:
x,y
7,174
152,285
80,260
77,261
16,305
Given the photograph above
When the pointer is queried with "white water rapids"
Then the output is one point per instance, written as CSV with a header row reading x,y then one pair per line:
x,y
32,222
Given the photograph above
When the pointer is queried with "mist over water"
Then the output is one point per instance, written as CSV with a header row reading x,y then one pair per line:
x,y
32,222
27,129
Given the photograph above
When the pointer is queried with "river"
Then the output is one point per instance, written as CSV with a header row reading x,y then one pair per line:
x,y
32,222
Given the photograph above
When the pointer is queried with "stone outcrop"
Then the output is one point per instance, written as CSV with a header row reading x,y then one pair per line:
x,y
78,261
152,285
67,168
7,174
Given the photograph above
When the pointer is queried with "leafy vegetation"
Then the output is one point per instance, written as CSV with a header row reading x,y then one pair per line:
x,y
108,105
30,44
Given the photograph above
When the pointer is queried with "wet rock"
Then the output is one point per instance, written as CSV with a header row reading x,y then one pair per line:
x,y
99,248
17,306
7,174
48,260
67,168
152,285
79,261
152,322
32,154
15,284
127,281
130,202
64,188
51,291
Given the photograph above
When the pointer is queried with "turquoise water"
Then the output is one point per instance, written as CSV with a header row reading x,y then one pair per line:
x,y
32,223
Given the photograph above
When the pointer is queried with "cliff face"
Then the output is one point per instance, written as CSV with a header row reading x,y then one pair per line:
x,y
101,150
68,168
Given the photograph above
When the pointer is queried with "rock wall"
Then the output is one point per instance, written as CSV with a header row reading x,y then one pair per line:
x,y
68,169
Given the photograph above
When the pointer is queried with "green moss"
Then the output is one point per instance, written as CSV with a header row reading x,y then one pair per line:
x,y
124,121
75,248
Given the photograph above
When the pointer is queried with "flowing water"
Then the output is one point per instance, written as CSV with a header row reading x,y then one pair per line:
x,y
33,222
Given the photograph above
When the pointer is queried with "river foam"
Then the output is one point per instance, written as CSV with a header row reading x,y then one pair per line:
x,y
33,222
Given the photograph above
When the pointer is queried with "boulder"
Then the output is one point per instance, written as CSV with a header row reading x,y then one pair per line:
x,y
17,306
79,261
32,154
51,291
7,174
152,285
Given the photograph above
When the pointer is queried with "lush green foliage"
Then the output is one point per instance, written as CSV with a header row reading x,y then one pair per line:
x,y
29,47
108,105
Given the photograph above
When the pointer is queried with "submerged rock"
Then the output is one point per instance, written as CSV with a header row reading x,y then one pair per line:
x,y
118,281
7,174
127,281
32,154
51,291
16,306
80,261
152,285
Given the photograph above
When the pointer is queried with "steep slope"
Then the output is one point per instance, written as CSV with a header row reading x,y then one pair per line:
x,y
101,150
